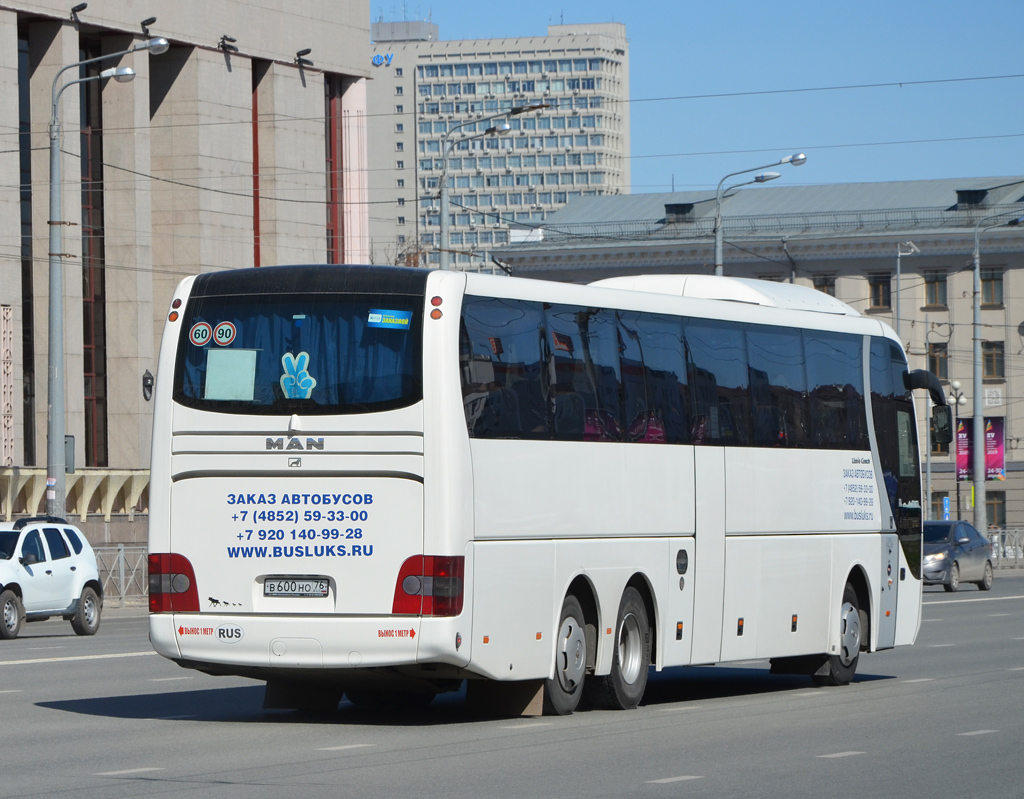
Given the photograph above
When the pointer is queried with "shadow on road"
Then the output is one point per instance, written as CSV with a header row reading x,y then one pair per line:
x,y
245,703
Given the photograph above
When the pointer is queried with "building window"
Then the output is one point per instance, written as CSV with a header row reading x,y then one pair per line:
x,y
399,146
401,220
94,349
935,289
399,90
995,509
825,284
334,88
399,109
401,201
399,164
939,504
938,360
880,290
992,360
991,287
399,128
27,265
398,72
400,183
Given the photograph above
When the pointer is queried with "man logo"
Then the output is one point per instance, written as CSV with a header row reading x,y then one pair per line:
x,y
229,633
295,443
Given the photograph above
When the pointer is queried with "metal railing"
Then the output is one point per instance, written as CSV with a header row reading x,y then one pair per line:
x,y
124,572
1007,548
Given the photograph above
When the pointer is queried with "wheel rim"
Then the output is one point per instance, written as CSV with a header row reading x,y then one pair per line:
x,y
89,612
849,640
10,614
630,649
954,576
572,654
988,574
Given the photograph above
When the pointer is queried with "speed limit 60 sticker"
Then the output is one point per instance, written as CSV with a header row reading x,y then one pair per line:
x,y
224,333
200,334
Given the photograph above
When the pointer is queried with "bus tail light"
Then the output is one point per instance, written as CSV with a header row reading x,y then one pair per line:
x,y
172,584
430,585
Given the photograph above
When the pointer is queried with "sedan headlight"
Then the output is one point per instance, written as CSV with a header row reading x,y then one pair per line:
x,y
935,557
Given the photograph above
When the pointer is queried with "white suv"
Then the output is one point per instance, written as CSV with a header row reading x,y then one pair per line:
x,y
47,568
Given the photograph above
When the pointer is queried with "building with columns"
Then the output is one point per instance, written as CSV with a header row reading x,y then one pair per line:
x,y
242,145
900,251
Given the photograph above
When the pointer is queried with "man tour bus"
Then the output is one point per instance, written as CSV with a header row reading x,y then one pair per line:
x,y
380,482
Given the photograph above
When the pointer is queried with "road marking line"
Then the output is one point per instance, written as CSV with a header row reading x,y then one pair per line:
x,y
939,646
74,657
175,718
1017,668
1018,639
931,619
977,732
997,615
800,694
961,601
126,771
673,779
18,690
675,709
169,679
527,725
344,746
842,754
919,679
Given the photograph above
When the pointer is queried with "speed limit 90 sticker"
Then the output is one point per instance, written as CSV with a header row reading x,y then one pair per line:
x,y
224,333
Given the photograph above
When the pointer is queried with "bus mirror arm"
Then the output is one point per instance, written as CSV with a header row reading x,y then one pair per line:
x,y
922,378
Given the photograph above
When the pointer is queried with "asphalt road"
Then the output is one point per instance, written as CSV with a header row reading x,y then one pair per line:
x,y
105,717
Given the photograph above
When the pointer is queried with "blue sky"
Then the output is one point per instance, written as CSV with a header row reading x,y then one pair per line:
x,y
946,127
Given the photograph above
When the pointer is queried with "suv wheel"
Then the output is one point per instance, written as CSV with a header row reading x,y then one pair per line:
x,y
86,620
11,615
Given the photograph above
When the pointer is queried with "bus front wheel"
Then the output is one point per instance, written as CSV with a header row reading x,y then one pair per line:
x,y
852,626
562,693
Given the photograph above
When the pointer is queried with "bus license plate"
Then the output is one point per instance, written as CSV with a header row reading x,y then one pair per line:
x,y
296,586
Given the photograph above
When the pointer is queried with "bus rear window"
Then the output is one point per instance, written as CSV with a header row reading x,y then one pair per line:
x,y
305,353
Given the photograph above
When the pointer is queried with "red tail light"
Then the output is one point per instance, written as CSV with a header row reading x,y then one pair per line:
x,y
172,584
430,585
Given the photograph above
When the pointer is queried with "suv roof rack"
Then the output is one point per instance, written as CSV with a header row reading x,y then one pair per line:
x,y
18,525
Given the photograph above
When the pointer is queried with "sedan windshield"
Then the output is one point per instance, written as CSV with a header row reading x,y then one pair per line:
x,y
937,532
8,543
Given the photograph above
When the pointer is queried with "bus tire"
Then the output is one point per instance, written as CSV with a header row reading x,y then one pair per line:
x,y
624,686
86,620
563,692
11,615
841,668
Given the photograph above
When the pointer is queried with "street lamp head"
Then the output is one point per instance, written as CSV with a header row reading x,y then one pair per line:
x,y
797,159
156,46
764,177
907,248
525,109
499,130
120,74
955,385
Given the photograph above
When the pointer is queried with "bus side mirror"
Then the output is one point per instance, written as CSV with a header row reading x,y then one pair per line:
x,y
942,424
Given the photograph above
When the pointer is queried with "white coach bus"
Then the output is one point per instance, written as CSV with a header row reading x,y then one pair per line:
x,y
383,481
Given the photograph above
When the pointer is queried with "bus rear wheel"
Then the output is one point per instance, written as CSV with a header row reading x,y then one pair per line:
x,y
852,626
562,694
624,686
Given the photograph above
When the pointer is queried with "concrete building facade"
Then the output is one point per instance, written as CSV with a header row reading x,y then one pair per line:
x,y
429,98
243,145
844,239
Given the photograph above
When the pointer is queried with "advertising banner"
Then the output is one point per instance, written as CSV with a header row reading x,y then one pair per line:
x,y
995,449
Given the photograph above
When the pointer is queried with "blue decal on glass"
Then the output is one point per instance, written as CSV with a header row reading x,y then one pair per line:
x,y
396,320
296,382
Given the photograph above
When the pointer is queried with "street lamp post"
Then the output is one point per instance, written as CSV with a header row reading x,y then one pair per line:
x,y
446,148
55,429
978,432
796,160
911,248
957,400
